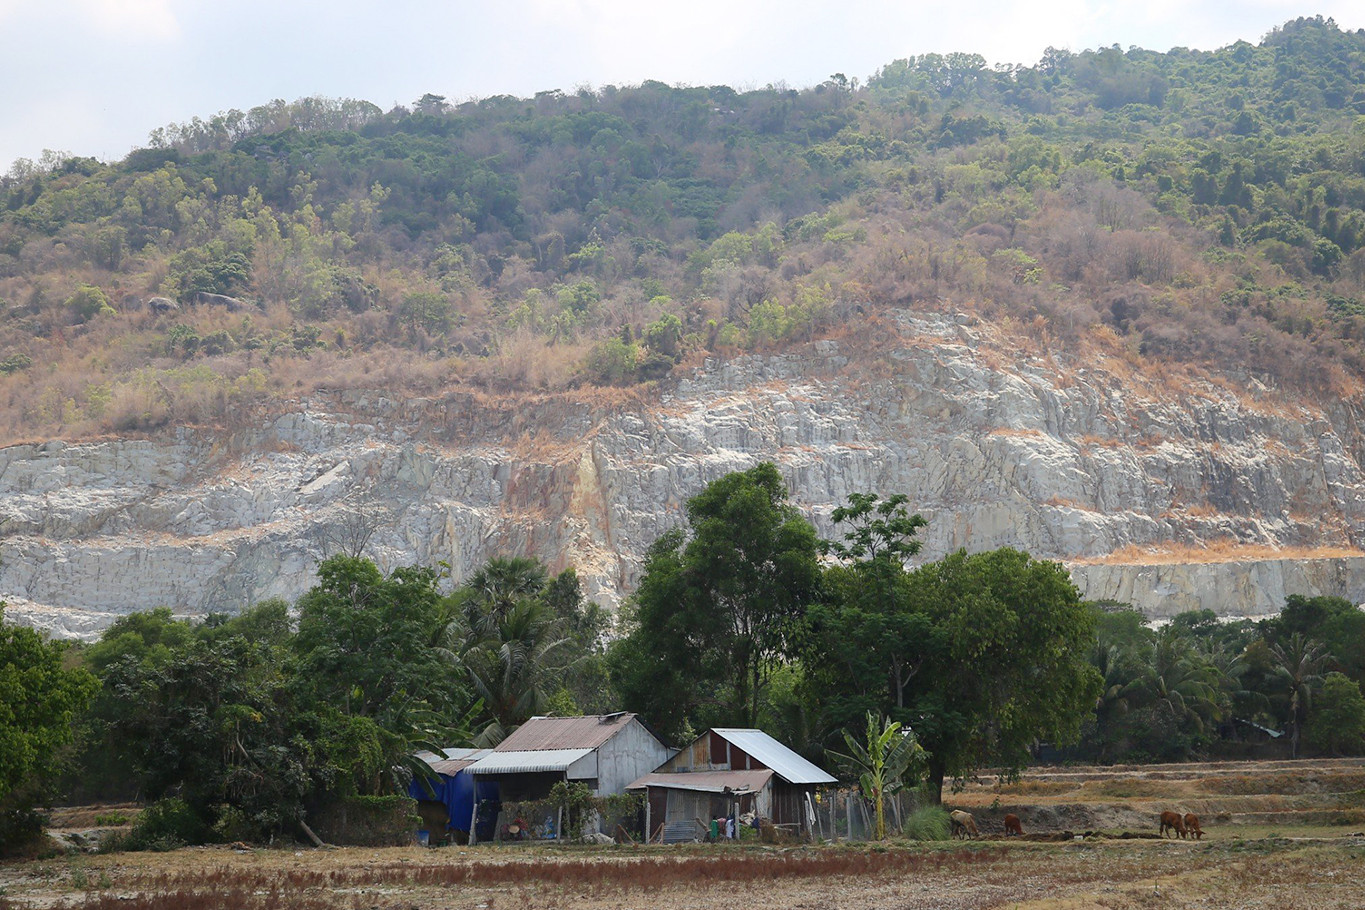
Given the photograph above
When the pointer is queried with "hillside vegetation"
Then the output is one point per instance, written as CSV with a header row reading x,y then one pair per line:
x,y
1205,209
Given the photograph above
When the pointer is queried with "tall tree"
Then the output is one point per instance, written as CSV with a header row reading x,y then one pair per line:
x,y
716,610
367,663
1299,663
1005,661
866,628
39,699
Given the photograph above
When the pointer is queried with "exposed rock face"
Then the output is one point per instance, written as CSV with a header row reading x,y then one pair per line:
x,y
1068,462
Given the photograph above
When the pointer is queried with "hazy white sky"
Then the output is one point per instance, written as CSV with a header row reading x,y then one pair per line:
x,y
94,77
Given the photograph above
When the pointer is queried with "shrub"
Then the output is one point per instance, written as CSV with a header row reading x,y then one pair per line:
x,y
166,825
611,362
19,827
89,302
928,823
14,363
367,821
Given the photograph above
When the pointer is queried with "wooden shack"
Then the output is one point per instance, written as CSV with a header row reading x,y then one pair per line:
x,y
730,771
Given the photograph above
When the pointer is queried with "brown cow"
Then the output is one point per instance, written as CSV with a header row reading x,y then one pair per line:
x,y
963,824
1173,821
1012,826
1192,826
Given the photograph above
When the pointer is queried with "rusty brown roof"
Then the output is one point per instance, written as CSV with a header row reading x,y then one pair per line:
x,y
453,766
564,732
452,761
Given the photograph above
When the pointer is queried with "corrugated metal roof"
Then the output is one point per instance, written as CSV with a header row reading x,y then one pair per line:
x,y
564,732
789,766
452,761
526,761
707,781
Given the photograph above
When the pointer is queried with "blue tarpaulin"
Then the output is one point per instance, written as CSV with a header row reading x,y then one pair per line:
x,y
457,795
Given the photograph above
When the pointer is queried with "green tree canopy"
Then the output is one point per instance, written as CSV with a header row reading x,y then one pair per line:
x,y
1337,724
40,698
717,609
364,639
1005,661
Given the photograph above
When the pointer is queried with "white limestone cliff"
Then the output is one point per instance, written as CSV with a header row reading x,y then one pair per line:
x,y
1219,497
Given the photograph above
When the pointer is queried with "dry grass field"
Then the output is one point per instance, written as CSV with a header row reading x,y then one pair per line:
x,y
1278,835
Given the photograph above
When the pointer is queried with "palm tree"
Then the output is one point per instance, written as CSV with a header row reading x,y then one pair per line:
x,y
1178,681
1298,666
1229,676
511,668
1120,673
500,583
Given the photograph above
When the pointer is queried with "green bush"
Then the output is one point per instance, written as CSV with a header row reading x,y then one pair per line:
x,y
89,302
167,825
14,363
1337,724
367,821
611,362
928,823
19,827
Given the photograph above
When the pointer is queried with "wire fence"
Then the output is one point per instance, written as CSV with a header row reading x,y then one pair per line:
x,y
844,815
831,815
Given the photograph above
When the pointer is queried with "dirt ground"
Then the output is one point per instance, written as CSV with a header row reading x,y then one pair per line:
x,y
1289,837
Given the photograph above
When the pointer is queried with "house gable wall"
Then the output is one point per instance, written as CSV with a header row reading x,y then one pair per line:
x,y
627,756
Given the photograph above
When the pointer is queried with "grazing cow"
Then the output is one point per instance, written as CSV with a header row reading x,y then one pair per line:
x,y
1192,826
1012,826
963,825
1173,821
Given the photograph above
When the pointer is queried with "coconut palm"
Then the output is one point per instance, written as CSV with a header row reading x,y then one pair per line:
x,y
1299,663
1179,682
1120,672
511,669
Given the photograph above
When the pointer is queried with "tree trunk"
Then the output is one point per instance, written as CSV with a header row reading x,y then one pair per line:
x,y
753,697
936,774
317,841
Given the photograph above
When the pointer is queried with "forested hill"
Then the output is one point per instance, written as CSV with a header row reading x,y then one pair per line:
x,y
1205,208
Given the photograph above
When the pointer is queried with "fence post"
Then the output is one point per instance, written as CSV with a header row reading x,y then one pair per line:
x,y
833,805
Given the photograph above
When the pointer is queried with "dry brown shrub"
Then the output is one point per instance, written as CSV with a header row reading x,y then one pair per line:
x,y
524,359
1214,552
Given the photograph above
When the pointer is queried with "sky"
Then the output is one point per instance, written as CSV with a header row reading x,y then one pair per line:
x,y
95,77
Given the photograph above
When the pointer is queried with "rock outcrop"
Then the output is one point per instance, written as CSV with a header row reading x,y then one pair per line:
x,y
1214,496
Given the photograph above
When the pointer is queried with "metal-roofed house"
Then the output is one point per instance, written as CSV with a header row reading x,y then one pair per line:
x,y
604,751
726,770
